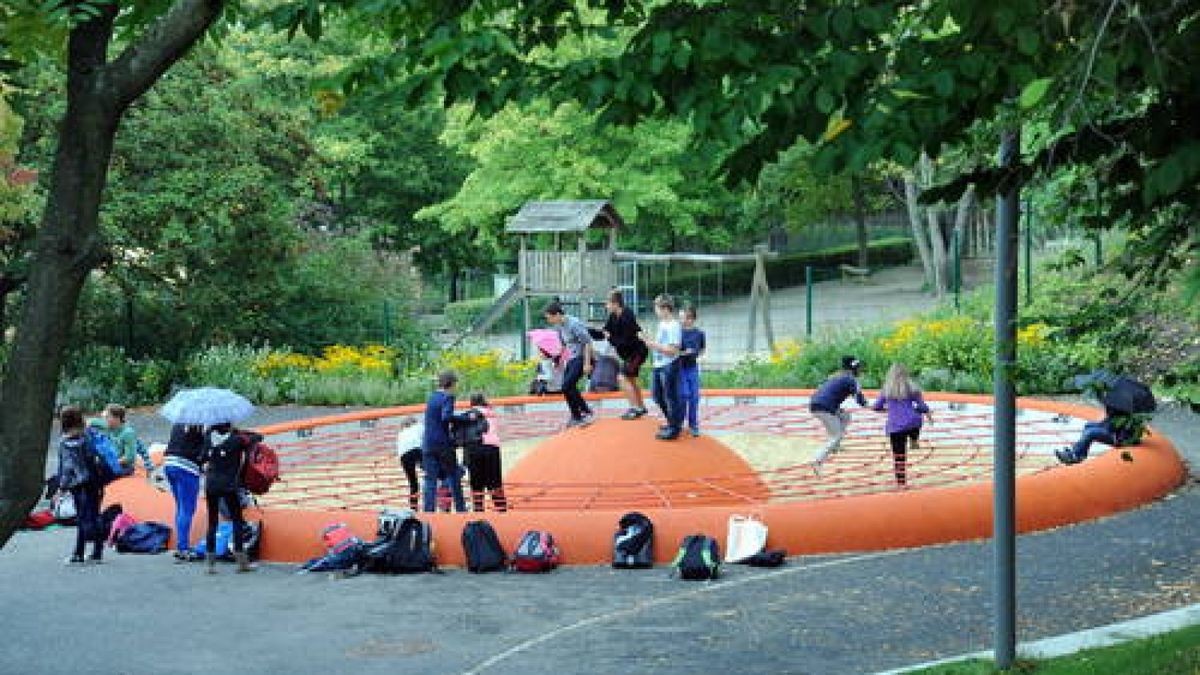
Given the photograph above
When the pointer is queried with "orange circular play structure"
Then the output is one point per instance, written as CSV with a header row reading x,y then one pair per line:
x,y
577,483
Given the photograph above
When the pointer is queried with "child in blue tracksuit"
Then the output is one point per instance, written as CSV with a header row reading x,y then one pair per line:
x,y
439,459
691,349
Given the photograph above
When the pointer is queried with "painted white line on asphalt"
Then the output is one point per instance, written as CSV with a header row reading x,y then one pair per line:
x,y
648,604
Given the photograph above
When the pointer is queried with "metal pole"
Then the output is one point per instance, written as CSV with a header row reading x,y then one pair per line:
x,y
956,238
1005,402
128,326
808,298
1028,254
1099,252
525,321
387,323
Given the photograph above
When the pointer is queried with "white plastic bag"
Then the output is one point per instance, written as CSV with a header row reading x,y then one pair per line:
x,y
747,536
64,507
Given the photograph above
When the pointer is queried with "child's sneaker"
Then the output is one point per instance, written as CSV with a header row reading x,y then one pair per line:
x,y
587,419
695,432
74,560
1065,456
631,414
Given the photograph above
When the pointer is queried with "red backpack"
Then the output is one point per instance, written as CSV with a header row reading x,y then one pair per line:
x,y
536,552
262,468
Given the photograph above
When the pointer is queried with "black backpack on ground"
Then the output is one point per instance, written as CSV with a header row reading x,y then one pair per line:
x,y
633,542
699,558
482,548
408,550
773,558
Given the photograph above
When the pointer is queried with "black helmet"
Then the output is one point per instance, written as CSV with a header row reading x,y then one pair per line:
x,y
851,363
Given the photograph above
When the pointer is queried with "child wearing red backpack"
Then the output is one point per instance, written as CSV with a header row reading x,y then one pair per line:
x,y
224,460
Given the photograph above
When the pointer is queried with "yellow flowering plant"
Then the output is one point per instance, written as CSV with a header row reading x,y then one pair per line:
x,y
491,371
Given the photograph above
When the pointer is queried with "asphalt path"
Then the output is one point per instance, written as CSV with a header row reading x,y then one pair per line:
x,y
819,614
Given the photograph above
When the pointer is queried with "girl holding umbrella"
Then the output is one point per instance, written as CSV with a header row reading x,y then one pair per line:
x,y
222,459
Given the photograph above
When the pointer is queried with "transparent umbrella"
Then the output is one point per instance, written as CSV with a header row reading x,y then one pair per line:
x,y
206,406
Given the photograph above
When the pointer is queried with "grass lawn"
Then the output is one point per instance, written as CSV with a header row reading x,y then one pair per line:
x,y
1176,653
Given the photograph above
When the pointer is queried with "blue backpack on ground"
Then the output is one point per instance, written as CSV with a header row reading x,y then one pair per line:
x,y
148,537
251,538
103,455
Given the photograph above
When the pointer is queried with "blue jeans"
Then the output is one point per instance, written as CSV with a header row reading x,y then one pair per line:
x,y
88,526
441,465
689,395
1092,432
185,487
665,390
570,388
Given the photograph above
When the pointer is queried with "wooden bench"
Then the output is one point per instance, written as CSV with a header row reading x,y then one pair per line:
x,y
850,272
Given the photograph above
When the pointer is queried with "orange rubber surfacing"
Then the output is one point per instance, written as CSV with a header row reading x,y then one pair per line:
x,y
577,483
620,462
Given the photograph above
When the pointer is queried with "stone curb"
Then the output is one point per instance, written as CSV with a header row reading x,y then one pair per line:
x,y
1071,643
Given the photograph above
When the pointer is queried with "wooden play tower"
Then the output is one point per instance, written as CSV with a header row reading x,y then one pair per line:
x,y
555,259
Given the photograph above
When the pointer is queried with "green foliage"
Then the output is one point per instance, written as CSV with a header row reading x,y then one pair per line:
x,y
791,193
864,82
97,375
662,187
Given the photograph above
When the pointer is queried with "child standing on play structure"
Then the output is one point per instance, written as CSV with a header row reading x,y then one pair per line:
x,y
692,348
826,405
439,459
577,359
901,397
665,348
623,333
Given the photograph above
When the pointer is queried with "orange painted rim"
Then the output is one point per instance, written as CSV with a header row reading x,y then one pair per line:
x,y
1102,486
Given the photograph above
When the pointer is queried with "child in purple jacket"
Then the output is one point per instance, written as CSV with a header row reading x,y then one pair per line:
x,y
901,397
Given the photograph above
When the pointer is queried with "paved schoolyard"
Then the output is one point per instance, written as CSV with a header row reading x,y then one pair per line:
x,y
821,614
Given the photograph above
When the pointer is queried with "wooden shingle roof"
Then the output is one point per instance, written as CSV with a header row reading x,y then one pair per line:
x,y
564,216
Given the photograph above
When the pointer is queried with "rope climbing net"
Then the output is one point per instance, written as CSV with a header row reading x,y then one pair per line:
x,y
353,465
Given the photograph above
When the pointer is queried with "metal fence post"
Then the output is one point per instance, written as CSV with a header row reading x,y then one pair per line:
x,y
128,326
808,299
387,322
1029,255
1004,402
956,242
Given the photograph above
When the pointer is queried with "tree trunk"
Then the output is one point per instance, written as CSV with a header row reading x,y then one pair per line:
x,y
916,223
860,221
68,245
66,249
937,246
961,218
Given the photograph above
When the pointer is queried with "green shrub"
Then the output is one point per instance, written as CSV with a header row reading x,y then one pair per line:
x,y
230,367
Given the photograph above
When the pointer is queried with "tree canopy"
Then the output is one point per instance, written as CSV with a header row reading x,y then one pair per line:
x,y
865,80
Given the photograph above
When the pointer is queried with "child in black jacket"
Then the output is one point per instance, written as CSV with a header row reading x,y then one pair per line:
x,y
224,460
